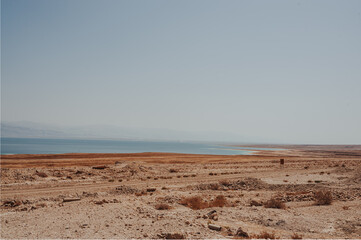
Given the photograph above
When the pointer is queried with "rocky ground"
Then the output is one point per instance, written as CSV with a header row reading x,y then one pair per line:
x,y
315,194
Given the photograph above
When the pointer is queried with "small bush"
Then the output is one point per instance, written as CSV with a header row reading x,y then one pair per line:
x,y
197,202
323,198
255,203
172,170
219,201
194,203
265,235
162,206
274,203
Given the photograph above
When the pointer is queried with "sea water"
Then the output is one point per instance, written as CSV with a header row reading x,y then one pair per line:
x,y
53,146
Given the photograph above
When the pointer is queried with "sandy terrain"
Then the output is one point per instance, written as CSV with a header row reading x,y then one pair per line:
x,y
149,195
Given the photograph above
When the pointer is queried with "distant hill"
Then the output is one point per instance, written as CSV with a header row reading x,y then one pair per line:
x,y
36,130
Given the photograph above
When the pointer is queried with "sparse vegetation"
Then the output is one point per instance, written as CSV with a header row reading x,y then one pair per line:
x,y
323,198
274,203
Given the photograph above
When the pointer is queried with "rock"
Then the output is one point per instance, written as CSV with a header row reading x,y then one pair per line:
x,y
171,236
211,212
281,223
241,233
13,203
99,167
71,199
84,225
214,227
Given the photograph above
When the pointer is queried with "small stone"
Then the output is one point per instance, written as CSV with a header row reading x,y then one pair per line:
x,y
214,227
211,212
241,233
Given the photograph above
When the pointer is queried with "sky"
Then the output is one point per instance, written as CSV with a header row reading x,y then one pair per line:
x,y
284,71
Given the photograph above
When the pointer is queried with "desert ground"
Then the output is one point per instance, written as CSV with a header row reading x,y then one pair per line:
x,y
316,193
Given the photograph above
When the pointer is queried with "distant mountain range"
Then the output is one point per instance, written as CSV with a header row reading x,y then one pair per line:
x,y
37,130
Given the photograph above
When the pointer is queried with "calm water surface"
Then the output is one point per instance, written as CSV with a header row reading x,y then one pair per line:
x,y
52,146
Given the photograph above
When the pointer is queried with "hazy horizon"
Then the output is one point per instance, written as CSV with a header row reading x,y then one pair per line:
x,y
278,71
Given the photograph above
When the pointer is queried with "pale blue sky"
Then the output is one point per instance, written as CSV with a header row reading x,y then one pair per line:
x,y
284,71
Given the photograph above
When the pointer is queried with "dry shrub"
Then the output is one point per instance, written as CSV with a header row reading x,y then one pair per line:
x,y
296,236
172,170
219,201
194,203
140,193
162,206
265,235
197,202
225,183
41,174
274,203
255,203
323,198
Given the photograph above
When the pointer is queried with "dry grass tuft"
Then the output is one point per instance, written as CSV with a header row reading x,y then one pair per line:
x,y
162,206
323,198
274,203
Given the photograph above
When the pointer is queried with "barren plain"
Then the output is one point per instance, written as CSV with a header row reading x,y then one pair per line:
x,y
316,193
